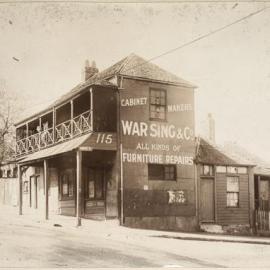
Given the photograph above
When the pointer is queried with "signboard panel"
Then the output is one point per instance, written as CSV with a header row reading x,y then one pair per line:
x,y
101,141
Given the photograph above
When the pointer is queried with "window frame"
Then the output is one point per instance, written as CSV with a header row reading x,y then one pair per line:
x,y
165,105
94,180
233,192
163,177
26,187
70,182
211,170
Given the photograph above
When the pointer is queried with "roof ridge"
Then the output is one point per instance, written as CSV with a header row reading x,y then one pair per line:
x,y
125,62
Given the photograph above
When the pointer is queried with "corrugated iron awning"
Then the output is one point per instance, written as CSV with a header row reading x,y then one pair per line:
x,y
57,149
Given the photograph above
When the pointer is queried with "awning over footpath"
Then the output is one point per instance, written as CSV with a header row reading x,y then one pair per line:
x,y
57,149
86,142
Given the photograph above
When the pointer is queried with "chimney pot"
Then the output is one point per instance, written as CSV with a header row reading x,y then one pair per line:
x,y
90,71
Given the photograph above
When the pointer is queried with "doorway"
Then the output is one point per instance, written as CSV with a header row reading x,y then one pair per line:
x,y
207,200
95,193
264,195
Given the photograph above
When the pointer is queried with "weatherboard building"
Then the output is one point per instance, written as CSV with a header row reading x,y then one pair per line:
x,y
119,145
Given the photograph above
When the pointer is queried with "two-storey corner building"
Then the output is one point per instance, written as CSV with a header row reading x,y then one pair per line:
x,y
120,145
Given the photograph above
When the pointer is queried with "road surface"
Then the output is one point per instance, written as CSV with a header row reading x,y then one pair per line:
x,y
31,245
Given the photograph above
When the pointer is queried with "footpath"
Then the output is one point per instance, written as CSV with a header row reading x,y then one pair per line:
x,y
9,216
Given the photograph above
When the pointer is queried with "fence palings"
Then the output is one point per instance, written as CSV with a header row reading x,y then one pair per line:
x,y
262,220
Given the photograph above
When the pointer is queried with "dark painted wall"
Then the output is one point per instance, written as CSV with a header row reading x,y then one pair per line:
x,y
149,198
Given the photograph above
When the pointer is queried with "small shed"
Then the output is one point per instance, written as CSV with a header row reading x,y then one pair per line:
x,y
225,190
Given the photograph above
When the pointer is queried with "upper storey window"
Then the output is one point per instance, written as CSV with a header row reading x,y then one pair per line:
x,y
158,104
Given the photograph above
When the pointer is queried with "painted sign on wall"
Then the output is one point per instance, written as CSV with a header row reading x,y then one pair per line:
x,y
177,197
156,130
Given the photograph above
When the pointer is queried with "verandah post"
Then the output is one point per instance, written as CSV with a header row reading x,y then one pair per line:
x,y
91,108
20,189
79,186
46,187
71,117
54,123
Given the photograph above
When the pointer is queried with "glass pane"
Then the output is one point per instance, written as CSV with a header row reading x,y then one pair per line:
x,y
65,189
221,169
162,101
91,189
152,100
232,169
233,184
162,94
71,187
155,171
206,170
233,199
26,186
242,170
153,108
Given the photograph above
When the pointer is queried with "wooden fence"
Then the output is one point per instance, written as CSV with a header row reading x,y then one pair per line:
x,y
262,221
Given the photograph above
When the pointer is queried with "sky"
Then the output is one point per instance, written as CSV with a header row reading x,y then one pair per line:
x,y
43,47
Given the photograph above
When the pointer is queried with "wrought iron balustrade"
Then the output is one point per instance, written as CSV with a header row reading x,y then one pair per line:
x,y
32,142
62,132
46,138
81,123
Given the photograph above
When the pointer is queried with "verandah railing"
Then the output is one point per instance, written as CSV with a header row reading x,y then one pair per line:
x,y
63,131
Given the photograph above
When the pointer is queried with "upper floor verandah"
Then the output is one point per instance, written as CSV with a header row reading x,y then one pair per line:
x,y
92,110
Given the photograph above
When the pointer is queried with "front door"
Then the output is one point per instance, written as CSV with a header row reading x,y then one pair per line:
x,y
207,209
95,190
264,195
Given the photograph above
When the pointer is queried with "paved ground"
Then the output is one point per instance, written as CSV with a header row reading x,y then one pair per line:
x,y
31,243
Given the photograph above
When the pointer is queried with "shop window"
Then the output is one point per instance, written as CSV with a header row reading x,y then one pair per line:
x,y
67,186
232,191
221,169
95,187
26,186
161,172
207,170
157,104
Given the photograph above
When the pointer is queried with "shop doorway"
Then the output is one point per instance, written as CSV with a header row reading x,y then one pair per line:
x,y
95,193
207,201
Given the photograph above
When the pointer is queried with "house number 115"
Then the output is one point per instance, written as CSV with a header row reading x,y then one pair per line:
x,y
104,138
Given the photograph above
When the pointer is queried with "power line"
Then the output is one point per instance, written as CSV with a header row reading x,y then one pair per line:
x,y
202,37
192,41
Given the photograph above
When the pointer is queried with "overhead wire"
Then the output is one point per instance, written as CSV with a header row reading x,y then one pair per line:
x,y
187,43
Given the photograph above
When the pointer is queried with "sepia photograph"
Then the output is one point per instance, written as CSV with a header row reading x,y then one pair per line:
x,y
134,134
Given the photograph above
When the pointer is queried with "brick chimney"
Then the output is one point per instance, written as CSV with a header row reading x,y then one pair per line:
x,y
89,71
211,128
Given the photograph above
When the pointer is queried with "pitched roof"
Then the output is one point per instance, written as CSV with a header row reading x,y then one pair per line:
x,y
136,66
131,66
209,153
